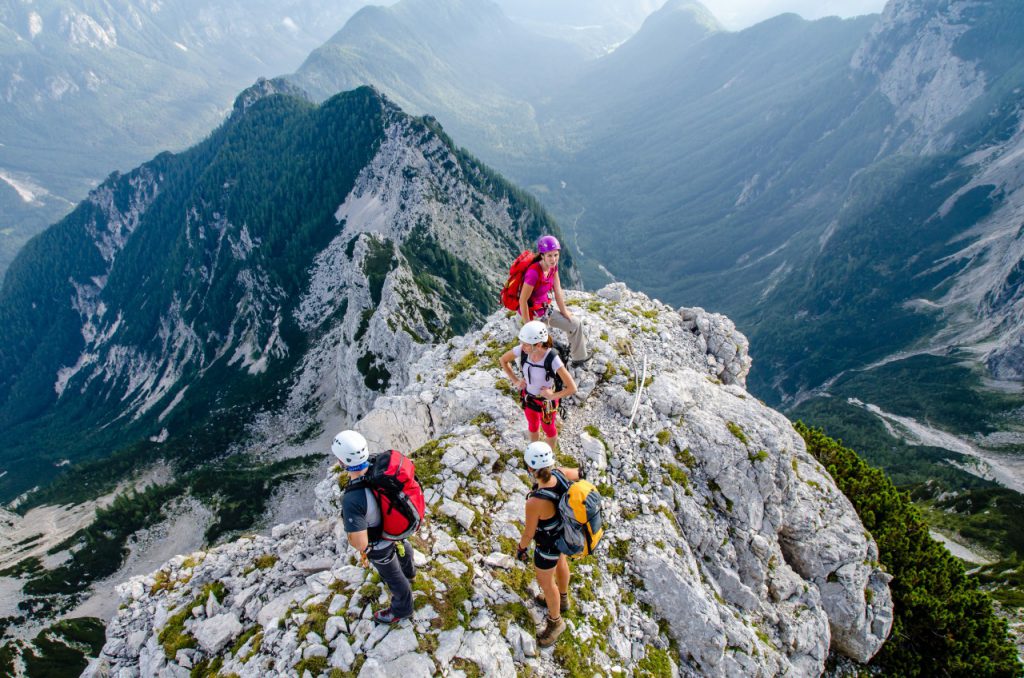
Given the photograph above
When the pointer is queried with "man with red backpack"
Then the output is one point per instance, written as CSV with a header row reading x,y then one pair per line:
x,y
371,512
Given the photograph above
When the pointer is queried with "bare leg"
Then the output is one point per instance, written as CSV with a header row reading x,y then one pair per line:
x,y
546,579
562,574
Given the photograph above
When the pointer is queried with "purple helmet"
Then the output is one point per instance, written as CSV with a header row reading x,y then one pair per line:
x,y
548,243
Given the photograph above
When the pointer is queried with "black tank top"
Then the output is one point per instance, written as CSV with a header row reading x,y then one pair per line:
x,y
548,528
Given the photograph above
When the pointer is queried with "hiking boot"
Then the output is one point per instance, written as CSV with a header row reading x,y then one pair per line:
x,y
387,616
581,361
563,600
549,635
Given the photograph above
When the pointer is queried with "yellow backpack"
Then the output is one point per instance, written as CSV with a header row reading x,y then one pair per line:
x,y
582,521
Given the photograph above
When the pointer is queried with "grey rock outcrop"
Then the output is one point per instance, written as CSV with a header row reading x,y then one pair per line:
x,y
924,79
729,549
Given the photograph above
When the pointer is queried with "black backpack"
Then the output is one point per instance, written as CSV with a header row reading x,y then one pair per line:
x,y
562,351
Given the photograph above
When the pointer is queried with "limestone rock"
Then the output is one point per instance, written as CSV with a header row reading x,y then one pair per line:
x,y
723,534
216,632
406,666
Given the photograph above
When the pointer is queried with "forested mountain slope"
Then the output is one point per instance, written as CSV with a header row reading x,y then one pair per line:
x,y
185,294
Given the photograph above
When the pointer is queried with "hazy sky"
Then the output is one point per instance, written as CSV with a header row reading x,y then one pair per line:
x,y
736,14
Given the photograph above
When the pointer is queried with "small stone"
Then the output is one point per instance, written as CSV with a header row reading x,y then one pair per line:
x,y
278,606
343,656
351,575
407,666
425,614
443,543
334,626
135,642
461,513
612,292
456,567
399,642
377,634
314,565
594,452
502,560
448,643
528,641
183,659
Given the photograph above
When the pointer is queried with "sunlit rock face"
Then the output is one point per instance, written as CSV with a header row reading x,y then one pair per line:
x,y
729,549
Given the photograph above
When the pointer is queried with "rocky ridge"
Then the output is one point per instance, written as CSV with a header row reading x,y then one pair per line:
x,y
729,549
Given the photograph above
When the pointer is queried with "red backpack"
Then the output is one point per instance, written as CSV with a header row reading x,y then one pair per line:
x,y
514,286
392,479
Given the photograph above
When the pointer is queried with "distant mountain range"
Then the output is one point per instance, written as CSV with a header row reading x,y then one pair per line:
x,y
738,170
92,87
463,61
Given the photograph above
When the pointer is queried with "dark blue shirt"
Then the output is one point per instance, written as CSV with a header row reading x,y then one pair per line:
x,y
360,511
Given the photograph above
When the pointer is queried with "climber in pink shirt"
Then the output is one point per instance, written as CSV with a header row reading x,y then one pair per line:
x,y
539,284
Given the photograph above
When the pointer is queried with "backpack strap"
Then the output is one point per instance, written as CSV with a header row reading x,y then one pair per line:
x,y
549,363
358,483
544,493
549,492
524,361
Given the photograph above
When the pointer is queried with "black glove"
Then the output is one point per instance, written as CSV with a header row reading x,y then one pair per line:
x,y
522,555
582,471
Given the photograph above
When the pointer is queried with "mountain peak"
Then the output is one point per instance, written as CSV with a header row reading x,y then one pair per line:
x,y
686,12
264,88
676,26
723,535
698,10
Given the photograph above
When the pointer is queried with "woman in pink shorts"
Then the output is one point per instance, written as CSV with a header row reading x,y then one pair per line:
x,y
539,363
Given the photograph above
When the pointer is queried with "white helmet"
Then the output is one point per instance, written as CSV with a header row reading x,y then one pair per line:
x,y
533,332
539,455
350,448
